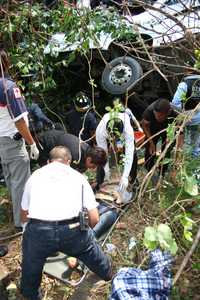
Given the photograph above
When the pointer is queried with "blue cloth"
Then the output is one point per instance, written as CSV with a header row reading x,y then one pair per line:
x,y
41,240
107,218
39,118
152,284
177,101
15,105
193,126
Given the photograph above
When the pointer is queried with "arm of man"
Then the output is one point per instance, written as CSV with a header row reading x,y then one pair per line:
x,y
101,138
147,131
24,216
179,95
24,131
129,147
133,119
90,203
25,201
93,216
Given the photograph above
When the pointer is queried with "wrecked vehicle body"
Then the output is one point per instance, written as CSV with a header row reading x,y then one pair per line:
x,y
140,57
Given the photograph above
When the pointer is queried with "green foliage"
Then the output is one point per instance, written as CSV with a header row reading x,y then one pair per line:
x,y
91,175
26,32
197,56
187,224
113,115
191,185
171,129
160,236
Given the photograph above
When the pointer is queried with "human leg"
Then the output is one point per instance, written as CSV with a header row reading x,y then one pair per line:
x,y
82,245
16,169
38,243
106,220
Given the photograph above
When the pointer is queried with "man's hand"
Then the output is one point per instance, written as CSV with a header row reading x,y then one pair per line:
x,y
152,148
34,154
123,184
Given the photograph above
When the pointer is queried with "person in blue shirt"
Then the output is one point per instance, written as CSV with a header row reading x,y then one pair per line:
x,y
37,119
14,132
186,98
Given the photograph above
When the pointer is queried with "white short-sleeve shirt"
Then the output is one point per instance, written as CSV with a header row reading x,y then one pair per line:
x,y
102,136
54,192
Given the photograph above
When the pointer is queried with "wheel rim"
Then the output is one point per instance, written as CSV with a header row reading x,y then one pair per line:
x,y
120,74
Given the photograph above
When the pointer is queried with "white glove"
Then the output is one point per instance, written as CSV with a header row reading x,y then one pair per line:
x,y
34,153
123,184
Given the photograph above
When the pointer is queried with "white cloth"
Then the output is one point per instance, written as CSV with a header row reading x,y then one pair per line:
x,y
102,137
54,192
133,119
7,124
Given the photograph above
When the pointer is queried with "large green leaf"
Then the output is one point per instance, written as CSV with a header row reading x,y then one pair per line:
x,y
150,234
150,245
164,231
191,186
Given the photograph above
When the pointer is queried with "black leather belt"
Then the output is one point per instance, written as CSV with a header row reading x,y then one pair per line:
x,y
61,222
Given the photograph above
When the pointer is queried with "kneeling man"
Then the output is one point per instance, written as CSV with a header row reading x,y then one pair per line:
x,y
52,201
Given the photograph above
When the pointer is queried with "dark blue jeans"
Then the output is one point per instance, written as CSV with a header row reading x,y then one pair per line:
x,y
41,241
107,218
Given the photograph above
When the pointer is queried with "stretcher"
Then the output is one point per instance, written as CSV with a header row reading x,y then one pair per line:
x,y
57,266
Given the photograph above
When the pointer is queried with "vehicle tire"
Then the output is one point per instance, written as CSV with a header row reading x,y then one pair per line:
x,y
120,75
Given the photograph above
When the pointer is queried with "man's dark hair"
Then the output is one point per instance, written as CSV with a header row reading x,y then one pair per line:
x,y
60,153
162,106
98,156
115,127
4,61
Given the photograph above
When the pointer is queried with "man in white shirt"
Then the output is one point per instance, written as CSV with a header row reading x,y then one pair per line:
x,y
53,198
14,132
119,128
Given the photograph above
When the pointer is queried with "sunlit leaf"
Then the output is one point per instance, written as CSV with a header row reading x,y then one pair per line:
x,y
191,186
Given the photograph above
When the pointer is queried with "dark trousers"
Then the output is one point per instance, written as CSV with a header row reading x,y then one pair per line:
x,y
107,218
150,159
42,240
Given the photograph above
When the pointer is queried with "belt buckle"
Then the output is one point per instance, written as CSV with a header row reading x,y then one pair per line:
x,y
74,225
